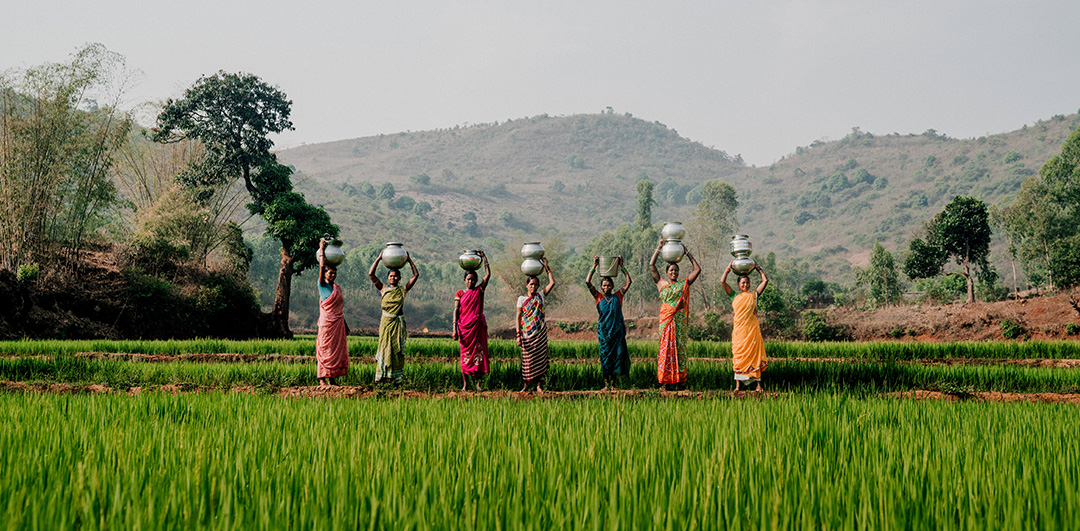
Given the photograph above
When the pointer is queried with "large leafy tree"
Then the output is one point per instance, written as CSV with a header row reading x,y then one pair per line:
x,y
1043,219
1035,222
1062,175
232,115
292,221
961,231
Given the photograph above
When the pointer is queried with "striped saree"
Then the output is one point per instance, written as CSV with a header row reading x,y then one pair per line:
x,y
534,338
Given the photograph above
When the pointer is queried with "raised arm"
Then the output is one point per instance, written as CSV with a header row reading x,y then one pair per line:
x,y
415,273
588,278
652,262
371,273
551,278
764,280
487,271
629,281
322,260
697,269
723,280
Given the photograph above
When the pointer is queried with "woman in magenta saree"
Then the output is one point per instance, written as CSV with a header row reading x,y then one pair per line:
x,y
470,327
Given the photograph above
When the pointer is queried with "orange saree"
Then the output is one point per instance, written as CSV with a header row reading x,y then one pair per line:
x,y
747,345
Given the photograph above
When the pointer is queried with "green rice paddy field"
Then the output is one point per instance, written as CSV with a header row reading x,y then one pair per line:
x,y
830,447
228,461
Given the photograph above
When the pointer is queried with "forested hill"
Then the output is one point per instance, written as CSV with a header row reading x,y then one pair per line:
x,y
837,198
566,180
574,174
577,175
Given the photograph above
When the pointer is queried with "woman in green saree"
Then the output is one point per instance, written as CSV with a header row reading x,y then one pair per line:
x,y
390,355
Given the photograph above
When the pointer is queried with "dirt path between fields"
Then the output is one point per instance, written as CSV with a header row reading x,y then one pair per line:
x,y
367,392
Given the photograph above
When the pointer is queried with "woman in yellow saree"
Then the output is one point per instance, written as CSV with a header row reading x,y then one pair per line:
x,y
390,354
747,345
674,319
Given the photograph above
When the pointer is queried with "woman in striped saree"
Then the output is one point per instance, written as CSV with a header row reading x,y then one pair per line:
x,y
674,319
390,354
470,327
747,345
610,328
532,331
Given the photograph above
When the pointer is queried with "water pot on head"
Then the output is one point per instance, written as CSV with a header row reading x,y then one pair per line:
x,y
609,266
673,231
532,267
741,248
673,251
470,260
394,256
532,250
334,256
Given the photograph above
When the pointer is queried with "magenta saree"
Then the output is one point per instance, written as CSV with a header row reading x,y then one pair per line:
x,y
472,332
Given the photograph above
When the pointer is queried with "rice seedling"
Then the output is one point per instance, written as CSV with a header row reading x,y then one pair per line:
x,y
202,461
861,378
504,348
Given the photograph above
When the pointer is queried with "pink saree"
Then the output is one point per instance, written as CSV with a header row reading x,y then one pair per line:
x,y
331,346
472,332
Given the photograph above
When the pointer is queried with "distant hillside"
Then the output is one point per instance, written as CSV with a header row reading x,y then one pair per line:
x,y
577,175
830,201
573,174
565,180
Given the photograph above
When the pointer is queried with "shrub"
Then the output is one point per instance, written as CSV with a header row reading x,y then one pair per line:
x,y
714,328
1072,329
28,273
895,333
817,327
1011,330
571,327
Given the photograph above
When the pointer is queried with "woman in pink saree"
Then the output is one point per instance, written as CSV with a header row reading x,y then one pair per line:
x,y
470,327
331,344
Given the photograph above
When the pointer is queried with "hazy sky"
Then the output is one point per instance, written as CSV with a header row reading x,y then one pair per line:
x,y
751,77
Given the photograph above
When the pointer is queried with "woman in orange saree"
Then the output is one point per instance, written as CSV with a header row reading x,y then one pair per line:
x,y
747,345
674,319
